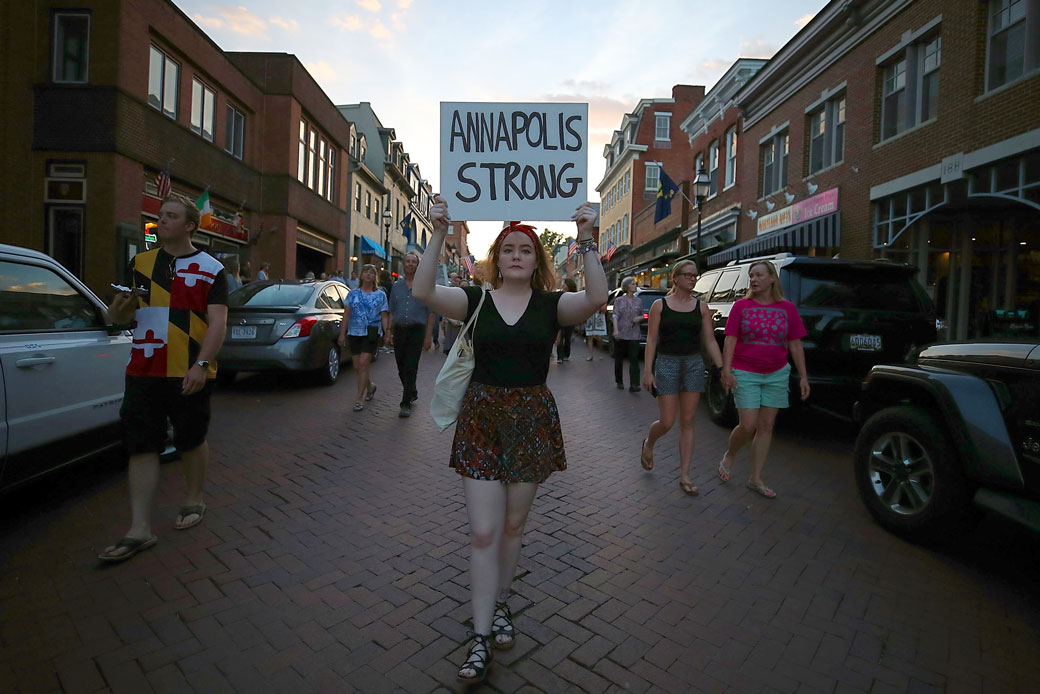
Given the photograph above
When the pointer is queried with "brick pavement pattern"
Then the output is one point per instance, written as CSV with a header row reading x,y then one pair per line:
x,y
333,557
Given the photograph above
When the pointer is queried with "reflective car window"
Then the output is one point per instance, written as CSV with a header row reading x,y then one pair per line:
x,y
34,298
724,289
648,299
329,299
704,285
847,287
256,294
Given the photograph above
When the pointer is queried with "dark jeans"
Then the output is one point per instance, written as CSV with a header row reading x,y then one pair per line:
x,y
626,349
563,350
408,344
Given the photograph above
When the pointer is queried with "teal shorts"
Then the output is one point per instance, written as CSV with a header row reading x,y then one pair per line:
x,y
756,390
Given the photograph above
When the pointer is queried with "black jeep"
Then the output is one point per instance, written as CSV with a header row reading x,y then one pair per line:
x,y
955,432
857,314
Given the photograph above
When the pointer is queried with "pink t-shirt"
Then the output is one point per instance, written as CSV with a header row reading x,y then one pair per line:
x,y
762,332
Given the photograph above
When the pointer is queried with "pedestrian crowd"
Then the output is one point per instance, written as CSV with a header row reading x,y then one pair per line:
x,y
508,438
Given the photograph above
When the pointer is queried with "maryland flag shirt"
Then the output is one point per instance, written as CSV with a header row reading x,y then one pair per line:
x,y
170,323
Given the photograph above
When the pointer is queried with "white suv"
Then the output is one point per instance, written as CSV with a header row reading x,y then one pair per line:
x,y
61,368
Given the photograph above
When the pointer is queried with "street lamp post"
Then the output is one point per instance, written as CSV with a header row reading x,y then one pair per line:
x,y
387,217
700,192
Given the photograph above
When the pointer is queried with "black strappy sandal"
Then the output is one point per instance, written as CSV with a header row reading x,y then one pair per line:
x,y
478,660
502,627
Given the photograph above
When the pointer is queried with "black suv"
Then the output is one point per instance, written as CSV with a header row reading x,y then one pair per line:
x,y
955,432
647,296
857,314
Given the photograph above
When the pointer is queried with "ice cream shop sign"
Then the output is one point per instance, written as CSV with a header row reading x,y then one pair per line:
x,y
801,211
216,226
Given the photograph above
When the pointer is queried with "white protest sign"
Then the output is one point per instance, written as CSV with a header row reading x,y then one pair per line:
x,y
502,161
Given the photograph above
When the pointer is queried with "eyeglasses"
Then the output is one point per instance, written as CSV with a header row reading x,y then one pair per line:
x,y
688,275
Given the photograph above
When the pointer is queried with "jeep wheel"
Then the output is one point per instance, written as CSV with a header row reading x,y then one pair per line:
x,y
721,407
909,476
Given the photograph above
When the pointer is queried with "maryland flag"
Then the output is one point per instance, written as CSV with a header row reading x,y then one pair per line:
x,y
205,209
666,190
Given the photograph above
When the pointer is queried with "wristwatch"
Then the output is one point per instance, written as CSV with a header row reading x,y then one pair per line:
x,y
203,363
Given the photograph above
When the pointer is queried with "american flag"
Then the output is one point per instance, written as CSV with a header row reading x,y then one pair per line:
x,y
163,184
611,250
470,264
571,248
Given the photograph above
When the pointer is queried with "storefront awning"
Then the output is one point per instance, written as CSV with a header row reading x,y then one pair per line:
x,y
370,247
820,232
663,259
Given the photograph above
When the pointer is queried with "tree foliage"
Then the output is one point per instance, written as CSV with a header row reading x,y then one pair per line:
x,y
550,238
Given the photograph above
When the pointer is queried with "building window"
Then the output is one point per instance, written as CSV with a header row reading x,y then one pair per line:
x,y
163,81
378,205
651,177
71,58
698,163
202,109
357,197
368,205
774,162
731,156
628,180
827,135
713,168
323,162
301,167
330,176
312,158
1006,55
363,146
663,126
910,89
235,132
624,228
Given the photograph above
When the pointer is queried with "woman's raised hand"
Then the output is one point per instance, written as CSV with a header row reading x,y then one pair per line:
x,y
439,216
585,218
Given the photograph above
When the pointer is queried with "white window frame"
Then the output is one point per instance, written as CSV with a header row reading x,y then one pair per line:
x,y
912,57
713,169
1030,48
731,156
234,132
301,164
774,174
624,228
330,175
662,123
830,141
628,180
58,53
165,62
201,97
652,178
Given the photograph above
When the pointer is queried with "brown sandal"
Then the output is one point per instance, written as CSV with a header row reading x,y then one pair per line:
x,y
646,461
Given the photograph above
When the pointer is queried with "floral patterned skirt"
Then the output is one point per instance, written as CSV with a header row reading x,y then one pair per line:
x,y
508,434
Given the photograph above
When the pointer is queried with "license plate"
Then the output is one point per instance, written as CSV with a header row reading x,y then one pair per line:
x,y
243,332
865,343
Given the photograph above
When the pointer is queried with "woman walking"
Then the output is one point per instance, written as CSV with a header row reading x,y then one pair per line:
x,y
508,438
595,327
762,329
366,318
563,339
626,317
679,331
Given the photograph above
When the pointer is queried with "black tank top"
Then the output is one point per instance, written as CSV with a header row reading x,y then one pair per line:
x,y
679,332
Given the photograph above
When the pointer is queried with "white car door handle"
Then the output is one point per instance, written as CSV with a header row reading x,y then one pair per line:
x,y
33,361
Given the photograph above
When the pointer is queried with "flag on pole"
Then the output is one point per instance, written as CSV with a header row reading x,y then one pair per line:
x,y
163,185
572,248
470,264
611,250
666,190
205,209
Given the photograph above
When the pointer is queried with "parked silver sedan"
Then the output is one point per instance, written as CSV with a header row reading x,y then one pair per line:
x,y
286,325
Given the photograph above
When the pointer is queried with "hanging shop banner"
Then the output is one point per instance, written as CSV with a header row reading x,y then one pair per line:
x,y
802,211
502,161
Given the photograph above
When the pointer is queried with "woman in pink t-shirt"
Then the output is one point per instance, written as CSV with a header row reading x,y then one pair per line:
x,y
761,330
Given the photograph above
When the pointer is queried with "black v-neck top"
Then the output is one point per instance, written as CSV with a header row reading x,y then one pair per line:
x,y
513,356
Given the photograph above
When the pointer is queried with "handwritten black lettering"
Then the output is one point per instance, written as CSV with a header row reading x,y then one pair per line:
x,y
463,178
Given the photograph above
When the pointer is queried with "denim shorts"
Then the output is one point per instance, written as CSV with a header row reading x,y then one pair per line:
x,y
679,374
756,390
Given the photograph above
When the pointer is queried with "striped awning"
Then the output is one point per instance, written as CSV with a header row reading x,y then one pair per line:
x,y
821,232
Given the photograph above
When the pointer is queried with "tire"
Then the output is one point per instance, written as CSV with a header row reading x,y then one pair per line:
x,y
721,408
225,377
329,374
910,478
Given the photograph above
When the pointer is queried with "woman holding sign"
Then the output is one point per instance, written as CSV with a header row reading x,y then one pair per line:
x,y
508,438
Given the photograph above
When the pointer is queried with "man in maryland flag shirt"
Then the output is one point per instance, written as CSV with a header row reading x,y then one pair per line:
x,y
177,308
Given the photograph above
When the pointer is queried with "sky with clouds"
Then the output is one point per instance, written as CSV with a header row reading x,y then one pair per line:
x,y
406,56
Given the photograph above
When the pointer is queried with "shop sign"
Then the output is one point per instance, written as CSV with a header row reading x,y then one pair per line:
x,y
315,242
151,204
802,211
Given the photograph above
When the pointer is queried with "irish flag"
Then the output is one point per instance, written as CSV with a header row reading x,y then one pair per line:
x,y
205,210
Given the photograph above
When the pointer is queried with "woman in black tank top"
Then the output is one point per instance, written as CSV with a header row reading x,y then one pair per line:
x,y
679,332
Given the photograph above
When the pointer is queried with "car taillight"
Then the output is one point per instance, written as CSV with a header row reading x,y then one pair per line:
x,y
301,328
646,316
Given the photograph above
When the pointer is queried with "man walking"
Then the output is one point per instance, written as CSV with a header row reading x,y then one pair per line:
x,y
411,331
178,306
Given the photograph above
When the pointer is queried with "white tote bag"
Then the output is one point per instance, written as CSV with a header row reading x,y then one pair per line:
x,y
453,380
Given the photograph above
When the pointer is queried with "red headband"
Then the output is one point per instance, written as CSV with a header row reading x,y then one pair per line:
x,y
517,226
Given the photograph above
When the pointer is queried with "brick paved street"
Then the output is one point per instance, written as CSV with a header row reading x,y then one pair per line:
x,y
333,558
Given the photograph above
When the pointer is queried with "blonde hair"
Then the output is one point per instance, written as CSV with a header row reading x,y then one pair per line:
x,y
676,271
776,291
191,213
543,276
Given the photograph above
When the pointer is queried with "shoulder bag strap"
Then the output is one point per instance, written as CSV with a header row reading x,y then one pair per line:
x,y
473,318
